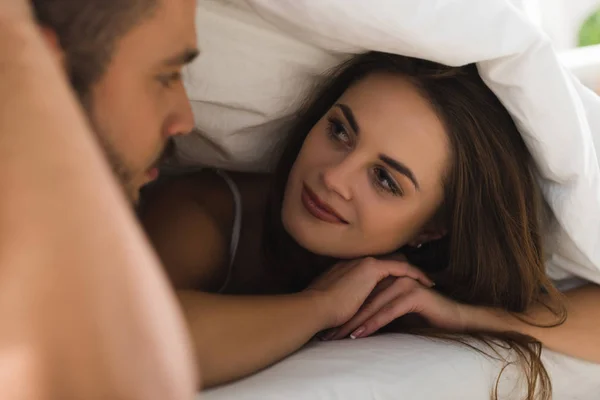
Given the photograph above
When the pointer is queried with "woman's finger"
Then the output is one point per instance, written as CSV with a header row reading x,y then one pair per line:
x,y
400,306
374,305
403,269
381,286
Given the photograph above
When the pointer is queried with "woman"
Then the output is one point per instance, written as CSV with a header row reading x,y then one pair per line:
x,y
393,157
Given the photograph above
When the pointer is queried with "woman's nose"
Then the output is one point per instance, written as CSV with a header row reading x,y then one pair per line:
x,y
337,178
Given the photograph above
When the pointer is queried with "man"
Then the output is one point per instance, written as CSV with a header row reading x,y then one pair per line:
x,y
124,60
85,310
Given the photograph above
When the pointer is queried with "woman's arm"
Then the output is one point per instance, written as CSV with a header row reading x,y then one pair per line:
x,y
238,335
84,310
188,223
579,336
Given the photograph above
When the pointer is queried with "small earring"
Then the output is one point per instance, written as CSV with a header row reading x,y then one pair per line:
x,y
419,245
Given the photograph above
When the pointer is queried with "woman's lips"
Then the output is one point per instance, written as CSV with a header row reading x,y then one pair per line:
x,y
318,209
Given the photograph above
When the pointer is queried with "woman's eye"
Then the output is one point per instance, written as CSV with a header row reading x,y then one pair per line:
x,y
337,131
385,182
168,80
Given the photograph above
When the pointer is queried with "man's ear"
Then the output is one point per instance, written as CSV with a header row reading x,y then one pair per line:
x,y
53,43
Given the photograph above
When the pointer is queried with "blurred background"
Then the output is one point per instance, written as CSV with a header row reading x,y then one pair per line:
x,y
574,28
569,23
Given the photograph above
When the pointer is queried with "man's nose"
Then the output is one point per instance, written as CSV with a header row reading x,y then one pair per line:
x,y
182,118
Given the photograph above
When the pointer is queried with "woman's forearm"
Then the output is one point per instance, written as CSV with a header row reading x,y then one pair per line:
x,y
579,336
239,335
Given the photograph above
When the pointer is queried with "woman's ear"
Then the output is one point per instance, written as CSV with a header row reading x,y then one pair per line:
x,y
428,235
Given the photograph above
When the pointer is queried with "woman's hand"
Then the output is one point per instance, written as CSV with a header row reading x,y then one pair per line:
x,y
343,289
396,297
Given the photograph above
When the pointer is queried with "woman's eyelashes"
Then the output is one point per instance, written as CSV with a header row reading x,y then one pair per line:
x,y
384,181
337,132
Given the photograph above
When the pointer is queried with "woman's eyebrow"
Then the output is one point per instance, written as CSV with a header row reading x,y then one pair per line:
x,y
401,168
397,165
347,111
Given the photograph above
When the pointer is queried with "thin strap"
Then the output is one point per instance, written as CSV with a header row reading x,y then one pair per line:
x,y
237,225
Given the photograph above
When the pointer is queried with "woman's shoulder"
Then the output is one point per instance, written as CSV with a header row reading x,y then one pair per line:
x,y
189,219
253,189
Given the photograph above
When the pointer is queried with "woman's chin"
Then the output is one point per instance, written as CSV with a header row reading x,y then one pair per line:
x,y
324,247
323,240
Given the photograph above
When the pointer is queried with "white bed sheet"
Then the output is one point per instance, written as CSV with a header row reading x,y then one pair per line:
x,y
394,367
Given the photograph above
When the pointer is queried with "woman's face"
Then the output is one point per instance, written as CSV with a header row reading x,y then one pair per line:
x,y
368,179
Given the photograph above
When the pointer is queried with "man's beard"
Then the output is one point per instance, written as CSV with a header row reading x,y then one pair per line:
x,y
124,174
114,158
119,168
117,161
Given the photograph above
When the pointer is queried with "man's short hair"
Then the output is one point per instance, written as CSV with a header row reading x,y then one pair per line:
x,y
88,31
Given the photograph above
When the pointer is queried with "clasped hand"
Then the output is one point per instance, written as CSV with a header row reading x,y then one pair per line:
x,y
362,296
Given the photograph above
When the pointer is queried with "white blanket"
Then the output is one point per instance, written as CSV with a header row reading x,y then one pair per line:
x,y
261,55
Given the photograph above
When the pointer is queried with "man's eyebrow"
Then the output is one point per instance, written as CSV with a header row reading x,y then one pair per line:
x,y
183,58
347,111
401,168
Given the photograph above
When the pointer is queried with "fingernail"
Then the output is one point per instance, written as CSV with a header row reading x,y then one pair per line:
x,y
357,333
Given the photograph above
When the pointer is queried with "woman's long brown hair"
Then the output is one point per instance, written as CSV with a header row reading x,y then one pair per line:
x,y
493,254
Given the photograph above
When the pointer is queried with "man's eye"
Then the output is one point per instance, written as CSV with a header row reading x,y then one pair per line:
x,y
168,80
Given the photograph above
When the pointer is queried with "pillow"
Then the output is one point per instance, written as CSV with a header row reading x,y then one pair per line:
x,y
248,81
259,57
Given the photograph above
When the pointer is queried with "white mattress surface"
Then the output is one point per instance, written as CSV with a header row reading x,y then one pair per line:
x,y
395,366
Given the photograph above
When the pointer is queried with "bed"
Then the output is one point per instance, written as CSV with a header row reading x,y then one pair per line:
x,y
398,366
